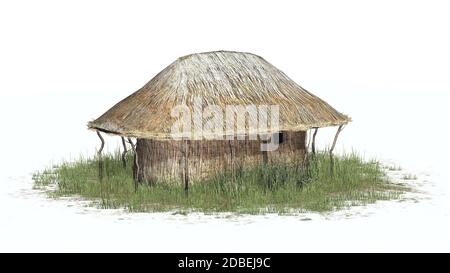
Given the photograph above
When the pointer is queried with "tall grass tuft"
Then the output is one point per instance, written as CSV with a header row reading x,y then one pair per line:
x,y
321,185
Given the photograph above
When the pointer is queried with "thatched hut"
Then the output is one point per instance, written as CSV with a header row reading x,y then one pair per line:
x,y
220,79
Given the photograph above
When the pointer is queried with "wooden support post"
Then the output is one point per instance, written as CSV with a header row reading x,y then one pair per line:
x,y
307,142
124,153
332,148
335,139
133,146
186,165
136,178
313,145
99,155
265,155
230,145
136,169
306,158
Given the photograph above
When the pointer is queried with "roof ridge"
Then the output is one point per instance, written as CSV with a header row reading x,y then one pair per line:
x,y
215,52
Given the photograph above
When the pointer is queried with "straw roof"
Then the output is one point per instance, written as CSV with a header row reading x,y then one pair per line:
x,y
219,78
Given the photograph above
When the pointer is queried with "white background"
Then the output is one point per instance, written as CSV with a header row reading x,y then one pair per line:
x,y
384,63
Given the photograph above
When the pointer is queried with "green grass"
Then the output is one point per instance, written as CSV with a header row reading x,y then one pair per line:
x,y
282,188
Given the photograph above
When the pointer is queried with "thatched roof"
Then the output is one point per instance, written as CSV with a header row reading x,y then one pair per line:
x,y
221,78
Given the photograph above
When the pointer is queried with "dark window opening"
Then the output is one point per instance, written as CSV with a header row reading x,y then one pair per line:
x,y
280,137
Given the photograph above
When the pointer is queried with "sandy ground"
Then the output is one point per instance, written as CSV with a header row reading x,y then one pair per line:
x,y
32,222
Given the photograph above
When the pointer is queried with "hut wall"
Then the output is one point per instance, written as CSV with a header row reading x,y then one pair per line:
x,y
164,161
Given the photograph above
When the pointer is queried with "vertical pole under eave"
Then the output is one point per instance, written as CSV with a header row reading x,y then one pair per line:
x,y
335,139
305,164
265,155
313,145
230,145
306,140
124,153
332,148
186,165
131,143
265,160
136,165
99,155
